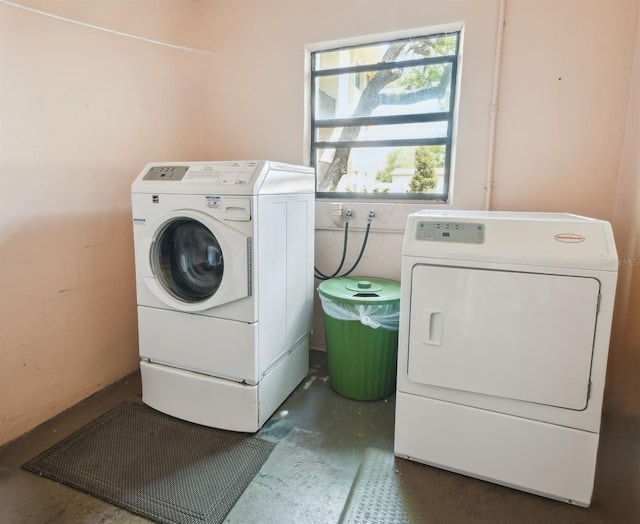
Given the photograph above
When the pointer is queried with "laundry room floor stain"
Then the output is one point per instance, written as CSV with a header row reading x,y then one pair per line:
x,y
321,440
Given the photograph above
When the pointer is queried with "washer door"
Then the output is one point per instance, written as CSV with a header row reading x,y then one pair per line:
x,y
196,263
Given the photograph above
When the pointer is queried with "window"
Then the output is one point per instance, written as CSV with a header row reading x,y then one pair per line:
x,y
382,118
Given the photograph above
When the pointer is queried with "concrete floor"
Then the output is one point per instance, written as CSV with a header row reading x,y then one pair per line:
x,y
308,476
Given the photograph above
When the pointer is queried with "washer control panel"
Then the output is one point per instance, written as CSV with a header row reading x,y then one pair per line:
x,y
224,173
464,232
166,173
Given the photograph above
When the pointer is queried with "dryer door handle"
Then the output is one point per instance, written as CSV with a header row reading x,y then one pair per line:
x,y
433,327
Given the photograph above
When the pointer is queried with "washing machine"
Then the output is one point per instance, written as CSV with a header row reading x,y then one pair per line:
x,y
224,282
504,332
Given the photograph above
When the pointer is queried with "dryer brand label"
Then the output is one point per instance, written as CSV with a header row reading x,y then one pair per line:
x,y
570,238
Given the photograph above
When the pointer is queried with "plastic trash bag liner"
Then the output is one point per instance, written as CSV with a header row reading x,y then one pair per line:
x,y
385,316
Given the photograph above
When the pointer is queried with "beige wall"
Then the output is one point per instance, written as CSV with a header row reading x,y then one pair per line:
x,y
562,104
623,383
83,110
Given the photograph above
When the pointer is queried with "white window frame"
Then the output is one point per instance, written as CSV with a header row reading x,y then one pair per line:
x,y
372,40
472,147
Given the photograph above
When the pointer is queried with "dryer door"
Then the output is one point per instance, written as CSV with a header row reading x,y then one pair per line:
x,y
196,263
509,334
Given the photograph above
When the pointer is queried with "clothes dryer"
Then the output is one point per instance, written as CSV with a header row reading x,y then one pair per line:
x,y
504,332
224,282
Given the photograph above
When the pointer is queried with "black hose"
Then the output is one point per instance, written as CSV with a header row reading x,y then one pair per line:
x,y
321,276
364,245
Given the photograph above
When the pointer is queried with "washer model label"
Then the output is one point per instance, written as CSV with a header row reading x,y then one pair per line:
x,y
213,201
570,238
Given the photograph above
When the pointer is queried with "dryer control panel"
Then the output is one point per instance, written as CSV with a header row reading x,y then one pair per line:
x,y
468,233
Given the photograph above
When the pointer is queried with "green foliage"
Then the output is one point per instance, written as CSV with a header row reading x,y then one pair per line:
x,y
430,75
442,46
428,159
397,158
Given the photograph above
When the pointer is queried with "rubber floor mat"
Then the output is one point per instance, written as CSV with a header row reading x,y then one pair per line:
x,y
156,466
386,490
389,489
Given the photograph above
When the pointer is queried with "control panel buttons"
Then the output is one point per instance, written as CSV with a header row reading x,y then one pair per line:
x,y
469,233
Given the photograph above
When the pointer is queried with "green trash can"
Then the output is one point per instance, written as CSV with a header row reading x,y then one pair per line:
x,y
361,316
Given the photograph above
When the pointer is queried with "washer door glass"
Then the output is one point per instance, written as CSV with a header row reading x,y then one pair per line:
x,y
187,259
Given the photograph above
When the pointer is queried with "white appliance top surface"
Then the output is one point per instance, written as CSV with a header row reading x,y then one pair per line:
x,y
501,215
245,177
555,239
